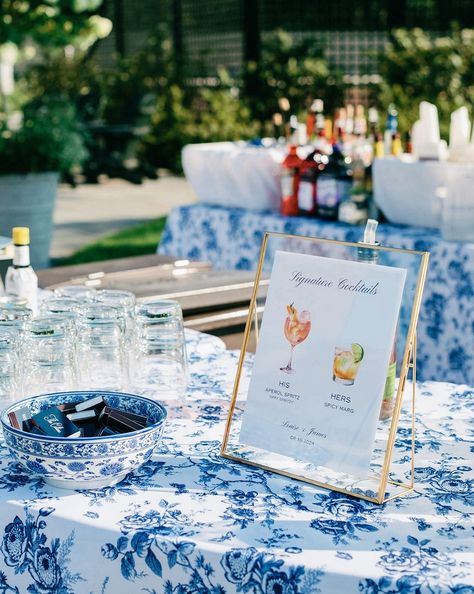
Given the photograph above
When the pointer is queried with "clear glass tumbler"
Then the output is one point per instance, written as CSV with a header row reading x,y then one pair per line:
x,y
79,292
100,349
14,312
60,305
10,389
124,302
48,360
161,371
13,317
13,299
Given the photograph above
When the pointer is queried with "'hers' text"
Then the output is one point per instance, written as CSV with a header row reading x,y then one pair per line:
x,y
340,397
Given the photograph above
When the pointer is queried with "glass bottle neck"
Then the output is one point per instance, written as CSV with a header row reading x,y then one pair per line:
x,y
21,256
366,254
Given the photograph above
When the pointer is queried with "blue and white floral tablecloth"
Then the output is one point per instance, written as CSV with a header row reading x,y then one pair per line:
x,y
191,522
231,238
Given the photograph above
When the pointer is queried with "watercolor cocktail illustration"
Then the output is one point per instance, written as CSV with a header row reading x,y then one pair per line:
x,y
297,327
346,363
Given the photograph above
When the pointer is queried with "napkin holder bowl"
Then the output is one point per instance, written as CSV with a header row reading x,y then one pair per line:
x,y
84,462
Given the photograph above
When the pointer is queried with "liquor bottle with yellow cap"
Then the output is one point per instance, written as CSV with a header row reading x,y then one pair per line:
x,y
21,279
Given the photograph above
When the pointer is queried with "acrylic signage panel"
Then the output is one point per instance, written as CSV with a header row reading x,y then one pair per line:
x,y
321,361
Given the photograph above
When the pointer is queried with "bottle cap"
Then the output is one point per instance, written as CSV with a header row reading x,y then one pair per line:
x,y
317,105
370,230
365,254
21,235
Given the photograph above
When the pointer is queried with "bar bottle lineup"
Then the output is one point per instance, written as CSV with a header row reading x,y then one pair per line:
x,y
327,171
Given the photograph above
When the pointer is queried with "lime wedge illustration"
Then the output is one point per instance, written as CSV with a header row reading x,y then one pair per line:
x,y
357,351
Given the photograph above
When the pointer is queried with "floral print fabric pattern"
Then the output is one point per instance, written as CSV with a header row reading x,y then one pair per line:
x,y
23,547
191,522
231,238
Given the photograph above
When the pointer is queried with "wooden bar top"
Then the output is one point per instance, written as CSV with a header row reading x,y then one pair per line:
x,y
194,284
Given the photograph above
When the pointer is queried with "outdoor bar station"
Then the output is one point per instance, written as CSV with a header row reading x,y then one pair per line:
x,y
236,297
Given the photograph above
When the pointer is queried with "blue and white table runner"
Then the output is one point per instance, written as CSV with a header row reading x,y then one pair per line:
x,y
231,239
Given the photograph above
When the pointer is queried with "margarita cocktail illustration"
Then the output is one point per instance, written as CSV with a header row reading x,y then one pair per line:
x,y
346,363
297,327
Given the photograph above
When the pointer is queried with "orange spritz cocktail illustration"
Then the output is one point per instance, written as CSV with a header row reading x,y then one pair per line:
x,y
296,328
346,363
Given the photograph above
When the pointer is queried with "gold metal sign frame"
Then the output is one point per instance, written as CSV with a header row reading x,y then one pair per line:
x,y
382,483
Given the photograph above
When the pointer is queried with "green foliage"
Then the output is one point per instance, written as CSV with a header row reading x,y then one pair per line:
x,y
124,95
184,114
209,115
128,94
176,112
131,88
293,69
218,115
136,241
113,96
54,23
79,81
39,126
170,118
148,90
417,67
48,138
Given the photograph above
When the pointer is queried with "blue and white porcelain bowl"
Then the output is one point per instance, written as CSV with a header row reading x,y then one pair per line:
x,y
86,462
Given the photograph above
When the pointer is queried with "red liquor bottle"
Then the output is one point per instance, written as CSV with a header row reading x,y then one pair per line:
x,y
289,178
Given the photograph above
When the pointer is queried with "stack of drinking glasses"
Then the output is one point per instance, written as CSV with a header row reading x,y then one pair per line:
x,y
162,363
9,368
101,347
94,340
14,316
49,364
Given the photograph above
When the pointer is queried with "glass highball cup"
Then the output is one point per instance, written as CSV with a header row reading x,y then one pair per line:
x,y
10,388
14,314
124,303
161,371
13,319
100,350
48,360
59,305
79,292
14,300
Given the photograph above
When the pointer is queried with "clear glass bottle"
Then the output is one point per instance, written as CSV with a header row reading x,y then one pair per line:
x,y
366,254
21,279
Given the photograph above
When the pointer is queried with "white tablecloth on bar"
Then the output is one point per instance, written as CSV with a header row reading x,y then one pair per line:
x,y
234,174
